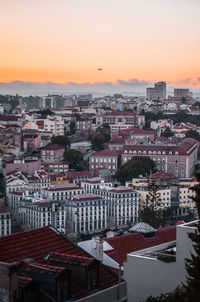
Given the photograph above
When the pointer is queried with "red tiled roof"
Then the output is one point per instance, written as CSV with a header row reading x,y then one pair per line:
x,y
182,147
139,131
70,259
121,189
53,147
119,113
77,174
9,118
42,268
105,152
85,197
160,175
125,244
36,244
23,281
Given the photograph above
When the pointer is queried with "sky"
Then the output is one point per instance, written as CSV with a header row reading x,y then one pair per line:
x,y
134,41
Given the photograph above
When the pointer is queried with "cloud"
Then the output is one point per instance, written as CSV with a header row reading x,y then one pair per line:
x,y
132,82
184,81
41,89
131,87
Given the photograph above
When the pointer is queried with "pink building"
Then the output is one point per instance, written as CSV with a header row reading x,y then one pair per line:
x,y
24,166
106,159
55,167
52,153
178,159
120,117
139,135
181,92
31,142
83,124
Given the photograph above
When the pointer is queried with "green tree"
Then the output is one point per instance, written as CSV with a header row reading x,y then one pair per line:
x,y
150,116
193,134
183,100
75,160
137,165
97,140
46,112
167,133
105,130
61,140
150,209
175,296
72,128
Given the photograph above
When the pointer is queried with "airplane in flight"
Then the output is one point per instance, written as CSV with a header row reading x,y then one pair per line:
x,y
99,69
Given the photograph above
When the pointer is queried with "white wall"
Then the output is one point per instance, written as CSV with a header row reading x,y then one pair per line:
x,y
147,276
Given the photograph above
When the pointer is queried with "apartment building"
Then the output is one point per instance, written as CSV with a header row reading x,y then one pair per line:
x,y
121,117
84,124
186,194
55,167
156,92
5,223
62,192
52,153
122,203
43,213
92,184
164,197
55,125
178,159
86,213
105,159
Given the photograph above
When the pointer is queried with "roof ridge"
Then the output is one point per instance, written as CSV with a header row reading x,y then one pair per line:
x,y
72,256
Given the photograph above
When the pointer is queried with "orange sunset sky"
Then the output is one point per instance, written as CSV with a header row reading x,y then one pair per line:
x,y
67,40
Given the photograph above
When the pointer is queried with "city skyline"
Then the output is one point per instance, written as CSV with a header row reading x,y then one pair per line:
x,y
135,42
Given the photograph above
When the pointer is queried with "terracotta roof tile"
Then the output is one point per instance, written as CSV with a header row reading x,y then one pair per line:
x,y
105,152
125,244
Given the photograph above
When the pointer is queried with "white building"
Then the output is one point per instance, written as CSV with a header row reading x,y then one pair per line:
x,y
5,223
62,191
55,125
43,213
92,184
158,269
86,213
122,204
164,197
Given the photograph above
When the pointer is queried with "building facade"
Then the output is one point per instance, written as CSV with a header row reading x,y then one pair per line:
x,y
179,159
105,159
5,223
52,153
86,213
157,92
122,204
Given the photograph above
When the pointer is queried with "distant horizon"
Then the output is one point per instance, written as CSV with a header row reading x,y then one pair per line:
x,y
132,87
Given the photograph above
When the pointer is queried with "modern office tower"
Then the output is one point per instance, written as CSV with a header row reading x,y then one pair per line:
x,y
157,92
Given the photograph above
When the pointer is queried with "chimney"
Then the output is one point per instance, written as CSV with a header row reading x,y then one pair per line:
x,y
98,247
